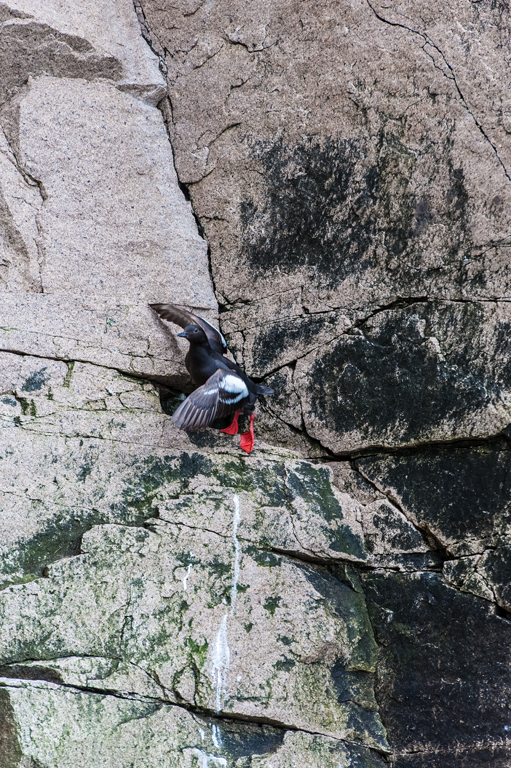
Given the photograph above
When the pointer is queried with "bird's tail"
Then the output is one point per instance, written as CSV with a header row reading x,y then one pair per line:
x,y
262,390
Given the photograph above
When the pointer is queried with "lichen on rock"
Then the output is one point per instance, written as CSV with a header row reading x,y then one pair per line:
x,y
340,205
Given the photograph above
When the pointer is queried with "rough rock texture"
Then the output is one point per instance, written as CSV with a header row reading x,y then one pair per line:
x,y
177,581
341,596
350,164
342,157
94,224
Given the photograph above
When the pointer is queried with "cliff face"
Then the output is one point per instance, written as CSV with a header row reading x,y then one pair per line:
x,y
341,596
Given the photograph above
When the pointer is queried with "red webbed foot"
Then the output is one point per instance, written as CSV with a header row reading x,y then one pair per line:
x,y
247,438
233,429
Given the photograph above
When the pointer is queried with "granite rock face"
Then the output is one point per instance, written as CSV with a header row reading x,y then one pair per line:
x,y
342,160
350,165
94,224
145,578
341,596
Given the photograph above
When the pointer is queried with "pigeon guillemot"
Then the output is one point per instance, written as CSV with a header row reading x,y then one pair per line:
x,y
223,388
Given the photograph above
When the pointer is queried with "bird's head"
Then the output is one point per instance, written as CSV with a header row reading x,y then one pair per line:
x,y
194,334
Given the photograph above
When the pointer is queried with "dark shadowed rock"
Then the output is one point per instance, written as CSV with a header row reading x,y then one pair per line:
x,y
167,602
459,493
444,687
428,372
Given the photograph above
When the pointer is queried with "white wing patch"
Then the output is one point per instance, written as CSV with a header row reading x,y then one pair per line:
x,y
222,394
234,385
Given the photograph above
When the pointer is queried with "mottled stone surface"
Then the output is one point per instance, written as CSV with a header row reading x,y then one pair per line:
x,y
350,165
107,729
438,688
91,41
91,212
460,495
340,597
430,372
134,563
122,335
342,158
85,444
258,637
125,157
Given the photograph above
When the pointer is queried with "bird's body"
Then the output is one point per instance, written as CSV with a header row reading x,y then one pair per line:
x,y
223,388
202,362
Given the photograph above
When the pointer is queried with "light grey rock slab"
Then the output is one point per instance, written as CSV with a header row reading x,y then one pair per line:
x,y
177,586
114,221
218,624
288,506
24,374
54,418
91,211
123,335
20,205
83,444
90,40
58,726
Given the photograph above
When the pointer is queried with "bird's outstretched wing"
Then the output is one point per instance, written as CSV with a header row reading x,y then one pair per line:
x,y
183,317
222,394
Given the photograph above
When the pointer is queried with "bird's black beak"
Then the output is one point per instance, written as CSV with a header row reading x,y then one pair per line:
x,y
182,334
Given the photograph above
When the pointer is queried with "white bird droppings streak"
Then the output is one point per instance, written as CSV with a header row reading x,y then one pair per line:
x,y
235,523
205,760
221,658
186,576
217,736
221,655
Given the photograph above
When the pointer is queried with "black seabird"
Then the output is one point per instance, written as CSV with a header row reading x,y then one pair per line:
x,y
223,388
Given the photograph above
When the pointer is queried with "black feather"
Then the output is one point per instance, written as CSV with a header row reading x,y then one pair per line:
x,y
224,387
184,317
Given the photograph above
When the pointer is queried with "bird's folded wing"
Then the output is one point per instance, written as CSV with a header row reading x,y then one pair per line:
x,y
223,393
183,317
